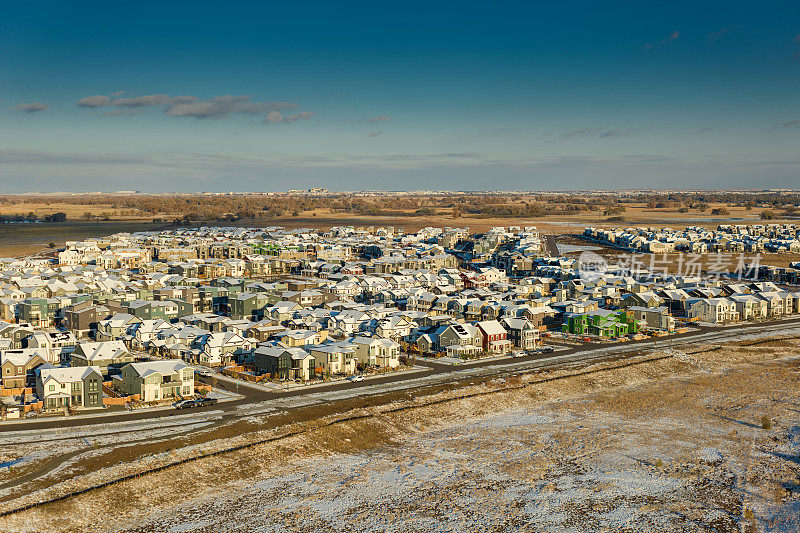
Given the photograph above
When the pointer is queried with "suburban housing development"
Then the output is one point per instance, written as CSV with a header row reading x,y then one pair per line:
x,y
127,320
725,238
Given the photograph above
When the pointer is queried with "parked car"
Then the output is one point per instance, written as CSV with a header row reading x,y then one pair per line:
x,y
354,379
201,402
547,349
185,404
519,353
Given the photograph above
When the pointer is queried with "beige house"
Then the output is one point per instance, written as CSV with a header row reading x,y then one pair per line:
x,y
156,380
375,351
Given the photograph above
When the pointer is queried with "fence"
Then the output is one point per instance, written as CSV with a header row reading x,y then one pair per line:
x,y
15,392
121,400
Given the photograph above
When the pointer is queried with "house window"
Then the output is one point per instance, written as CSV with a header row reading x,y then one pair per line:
x,y
52,388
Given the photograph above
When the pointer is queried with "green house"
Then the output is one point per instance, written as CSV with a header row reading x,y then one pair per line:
x,y
609,325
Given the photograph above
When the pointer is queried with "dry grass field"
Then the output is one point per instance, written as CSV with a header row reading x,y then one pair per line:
x,y
73,211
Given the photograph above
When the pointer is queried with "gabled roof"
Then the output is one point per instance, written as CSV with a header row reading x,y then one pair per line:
x,y
491,327
163,368
68,374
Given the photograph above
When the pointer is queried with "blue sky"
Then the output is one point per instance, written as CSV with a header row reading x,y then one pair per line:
x,y
201,96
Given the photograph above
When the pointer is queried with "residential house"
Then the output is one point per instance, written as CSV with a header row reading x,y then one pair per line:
x,y
284,363
217,349
156,380
375,351
712,310
653,318
82,318
71,387
334,358
17,367
521,332
107,356
494,337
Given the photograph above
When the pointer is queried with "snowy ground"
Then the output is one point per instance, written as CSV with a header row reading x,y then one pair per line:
x,y
672,445
675,455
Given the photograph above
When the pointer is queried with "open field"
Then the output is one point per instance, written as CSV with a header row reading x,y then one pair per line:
x,y
673,444
554,214
73,211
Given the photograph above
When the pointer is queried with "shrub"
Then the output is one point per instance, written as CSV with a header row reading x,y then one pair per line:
x,y
614,210
767,215
766,423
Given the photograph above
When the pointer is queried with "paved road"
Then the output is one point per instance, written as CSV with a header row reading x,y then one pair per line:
x,y
550,245
253,394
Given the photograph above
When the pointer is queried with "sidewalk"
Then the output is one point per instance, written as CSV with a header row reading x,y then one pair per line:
x,y
455,361
267,386
221,395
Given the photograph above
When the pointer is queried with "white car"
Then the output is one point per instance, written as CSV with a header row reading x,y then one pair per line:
x,y
356,378
519,353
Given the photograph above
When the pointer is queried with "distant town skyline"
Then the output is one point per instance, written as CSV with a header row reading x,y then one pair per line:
x,y
190,97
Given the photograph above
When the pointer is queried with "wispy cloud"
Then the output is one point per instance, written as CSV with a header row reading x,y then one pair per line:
x,y
223,106
275,117
791,124
671,38
31,107
123,112
714,35
191,106
707,129
600,133
95,101
149,100
379,118
580,132
375,133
